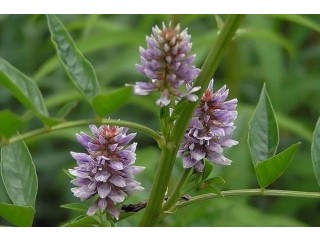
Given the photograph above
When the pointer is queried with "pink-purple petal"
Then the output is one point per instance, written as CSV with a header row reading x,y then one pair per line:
x,y
210,129
118,181
103,190
92,209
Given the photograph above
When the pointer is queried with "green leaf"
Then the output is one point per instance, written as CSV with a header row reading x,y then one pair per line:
x,y
9,123
19,174
211,185
87,221
21,216
78,207
214,189
4,198
77,67
271,169
23,88
263,136
215,181
315,151
106,103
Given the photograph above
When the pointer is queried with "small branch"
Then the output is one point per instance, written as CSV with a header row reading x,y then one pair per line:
x,y
249,192
174,197
135,126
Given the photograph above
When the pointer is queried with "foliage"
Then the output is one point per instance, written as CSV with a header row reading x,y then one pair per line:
x,y
57,76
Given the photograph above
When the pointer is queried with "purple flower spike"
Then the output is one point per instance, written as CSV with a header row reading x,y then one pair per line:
x,y
107,170
169,65
209,130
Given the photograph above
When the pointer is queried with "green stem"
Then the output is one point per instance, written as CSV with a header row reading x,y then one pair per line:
x,y
249,192
166,163
159,186
164,114
176,194
135,126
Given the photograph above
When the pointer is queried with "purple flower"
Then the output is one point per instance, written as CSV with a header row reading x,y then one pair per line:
x,y
168,64
106,170
210,130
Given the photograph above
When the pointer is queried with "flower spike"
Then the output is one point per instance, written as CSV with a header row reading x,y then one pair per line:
x,y
210,130
107,169
168,64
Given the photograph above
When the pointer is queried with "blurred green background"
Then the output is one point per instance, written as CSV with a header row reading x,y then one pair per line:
x,y
281,50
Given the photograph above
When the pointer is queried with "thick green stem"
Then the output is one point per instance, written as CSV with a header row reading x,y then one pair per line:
x,y
169,152
249,192
135,126
164,114
159,186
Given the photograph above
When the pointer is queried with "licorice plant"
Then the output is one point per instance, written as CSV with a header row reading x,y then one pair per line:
x,y
196,121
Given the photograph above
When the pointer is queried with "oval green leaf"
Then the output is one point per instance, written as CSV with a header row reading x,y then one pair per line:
x,y
21,216
23,88
263,135
315,151
9,123
19,174
271,169
77,67
215,181
212,185
4,198
106,103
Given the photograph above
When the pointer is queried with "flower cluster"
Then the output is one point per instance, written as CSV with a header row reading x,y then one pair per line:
x,y
168,64
107,170
209,130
